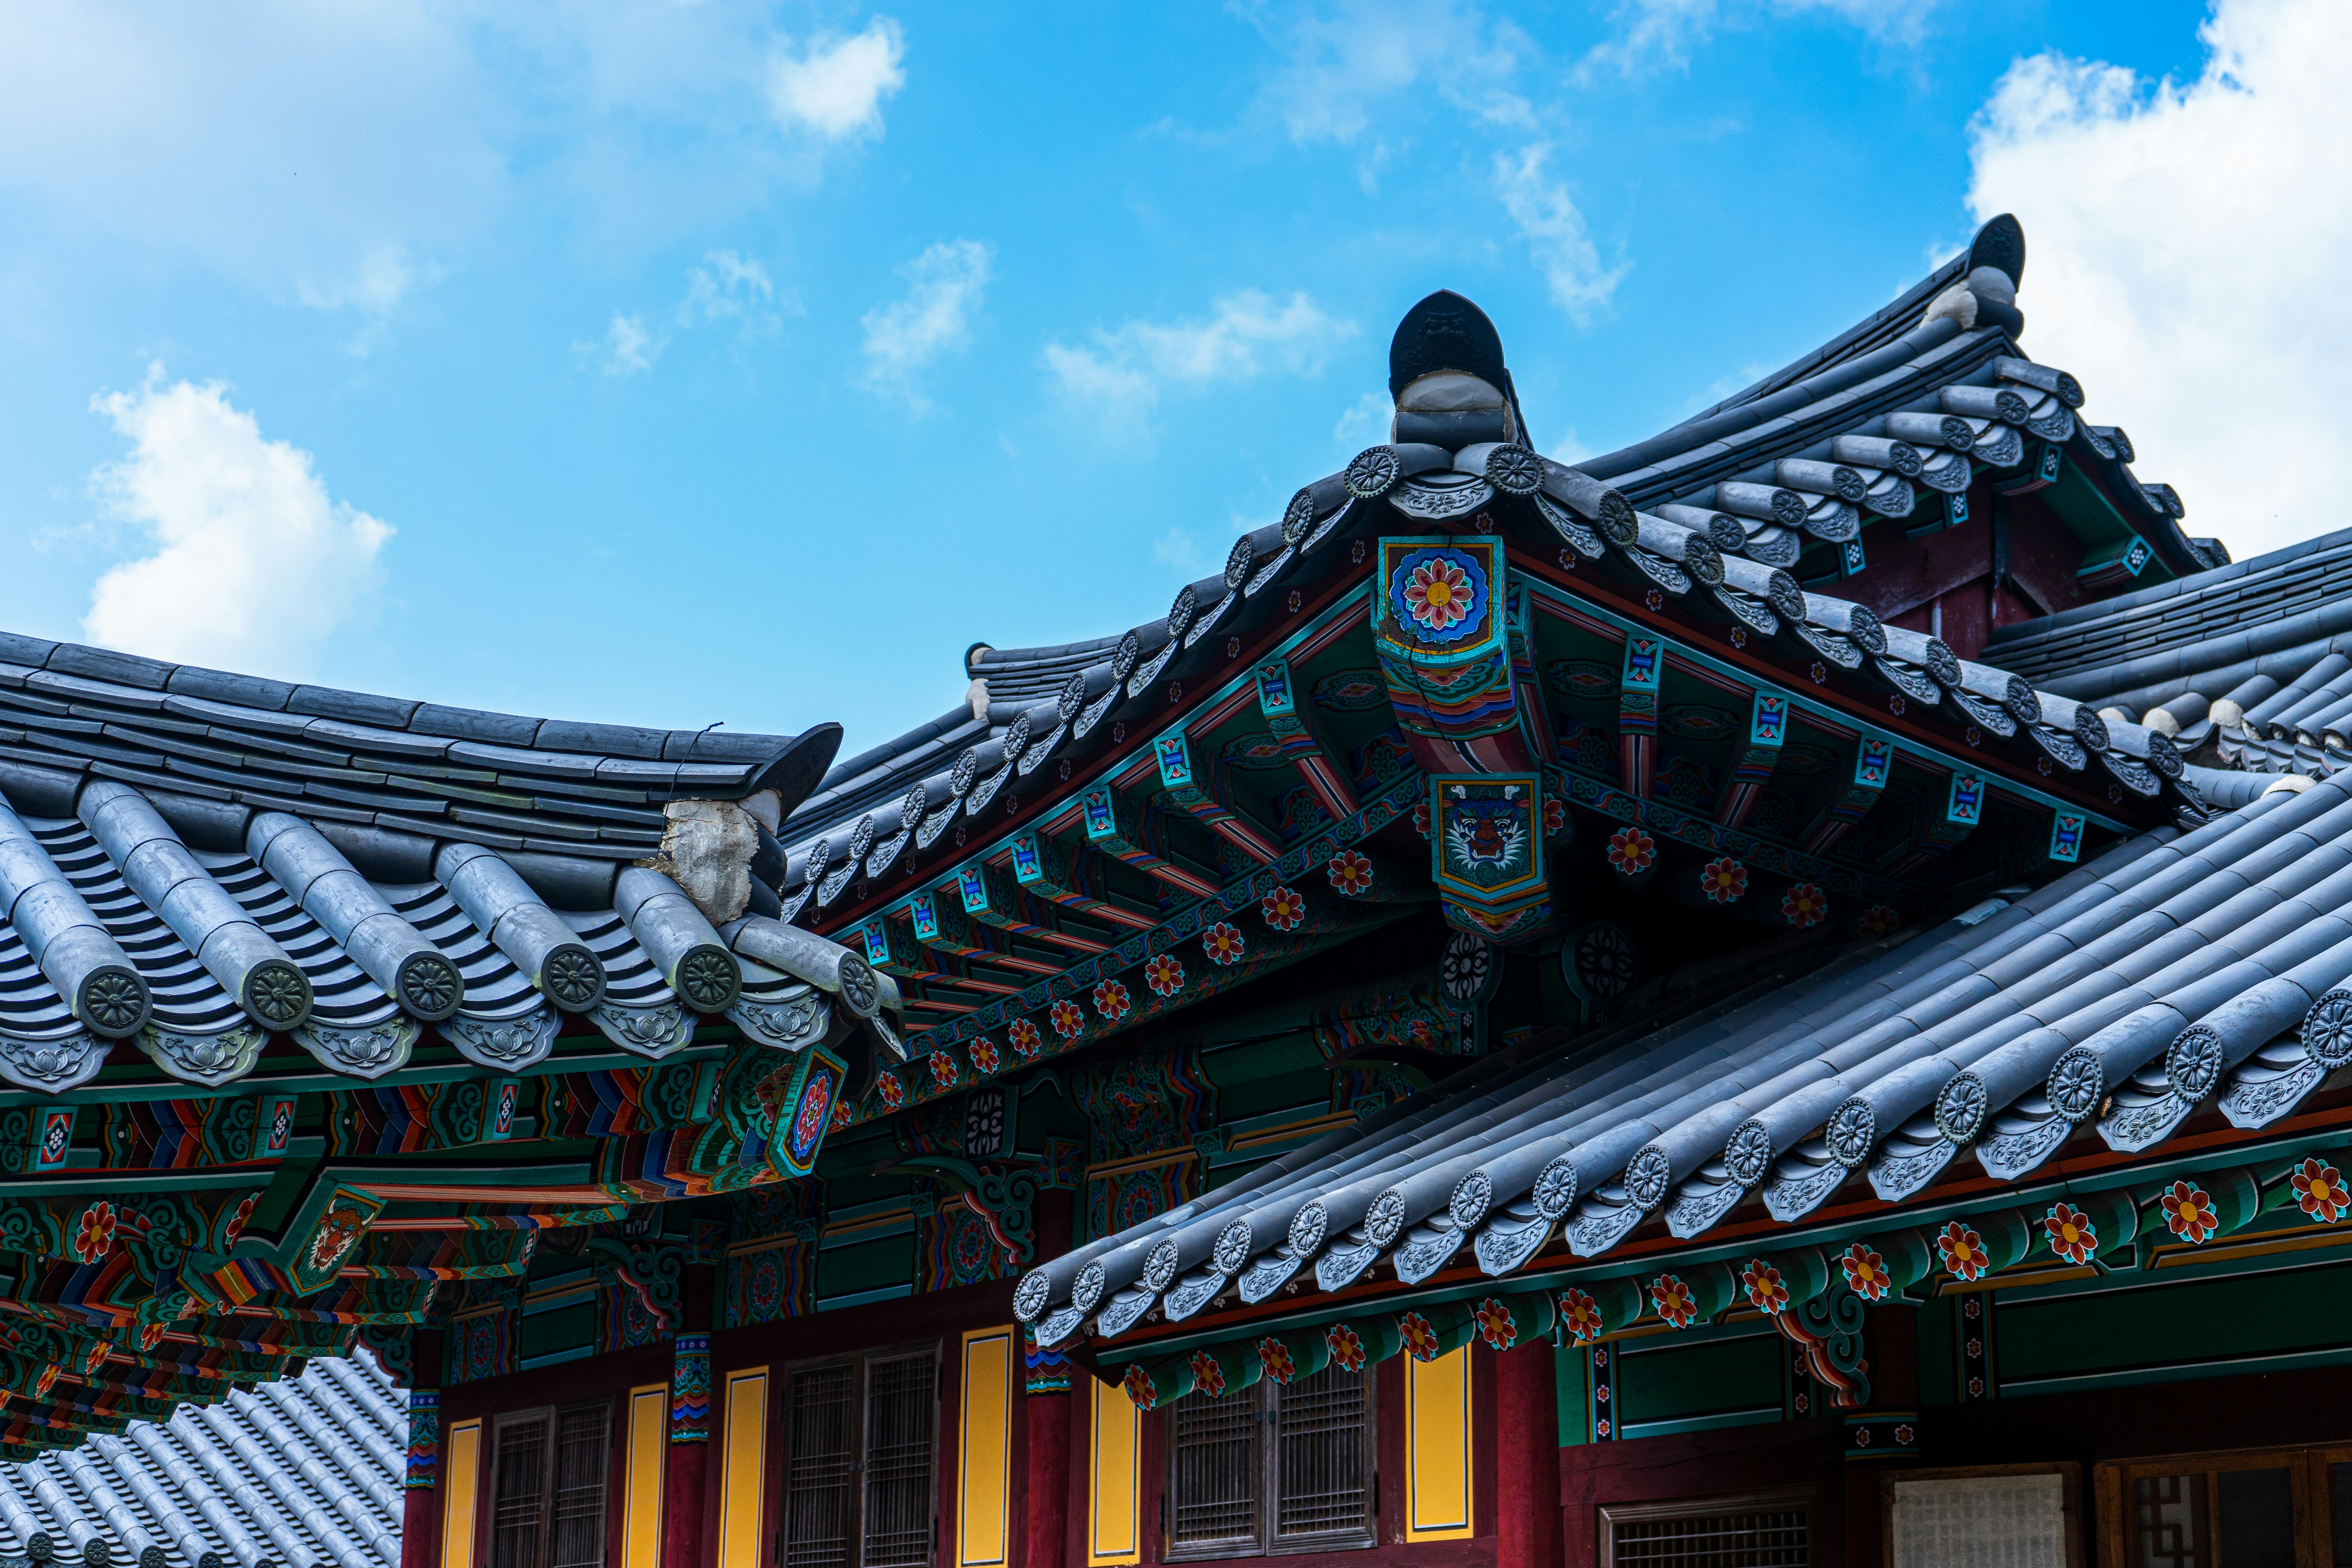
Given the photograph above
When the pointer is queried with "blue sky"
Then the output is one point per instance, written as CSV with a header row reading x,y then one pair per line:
x,y
673,363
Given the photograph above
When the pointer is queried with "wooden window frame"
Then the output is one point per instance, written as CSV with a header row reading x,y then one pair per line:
x,y
1613,1514
861,1364
2306,1466
2070,1478
495,1449
1268,1544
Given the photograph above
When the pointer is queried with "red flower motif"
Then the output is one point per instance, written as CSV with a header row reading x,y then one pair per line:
x,y
1138,1383
1274,1356
1438,594
1903,1435
943,1070
1877,920
1351,873
1164,975
1347,1350
1222,942
2071,1235
1765,1292
95,1237
1963,1251
1496,1325
1208,1377
2189,1211
1723,880
149,1336
1673,1300
1111,1000
1026,1040
237,1221
1067,1021
45,1382
1420,819
1419,1335
2319,1192
1865,1272
843,1113
1805,905
1283,909
986,1057
1631,850
1820,672
892,1092
1581,1314
1555,819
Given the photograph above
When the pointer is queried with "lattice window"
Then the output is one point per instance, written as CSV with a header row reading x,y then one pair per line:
x,y
860,1460
1271,1469
1213,1493
902,1406
548,1507
820,1501
517,1517
577,1511
1323,1481
1763,1531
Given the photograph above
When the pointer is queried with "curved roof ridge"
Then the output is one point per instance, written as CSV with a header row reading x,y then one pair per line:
x,y
299,700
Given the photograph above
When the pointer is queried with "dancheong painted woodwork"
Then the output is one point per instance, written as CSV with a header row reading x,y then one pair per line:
x,y
1543,1012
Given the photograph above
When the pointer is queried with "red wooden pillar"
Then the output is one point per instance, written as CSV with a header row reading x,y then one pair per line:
x,y
420,1513
689,1427
1526,1458
1045,1417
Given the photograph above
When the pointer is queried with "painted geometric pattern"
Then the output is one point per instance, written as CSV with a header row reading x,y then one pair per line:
x,y
770,1284
482,1346
955,1246
1142,1104
1669,821
1122,1199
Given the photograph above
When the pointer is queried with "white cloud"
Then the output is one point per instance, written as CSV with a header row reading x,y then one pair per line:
x,y
627,348
945,284
835,86
1652,34
255,568
341,158
730,287
320,153
1117,379
1554,230
2185,244
1343,62
1365,423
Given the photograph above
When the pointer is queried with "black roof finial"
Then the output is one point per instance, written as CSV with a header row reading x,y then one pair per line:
x,y
2000,243
1445,331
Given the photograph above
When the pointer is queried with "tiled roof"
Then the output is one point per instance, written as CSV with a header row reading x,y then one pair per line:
x,y
2249,666
191,860
295,1473
1885,421
2180,970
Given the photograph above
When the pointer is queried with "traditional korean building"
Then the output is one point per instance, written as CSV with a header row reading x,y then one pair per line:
x,y
1774,996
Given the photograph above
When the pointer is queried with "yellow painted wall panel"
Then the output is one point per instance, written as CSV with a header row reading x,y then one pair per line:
x,y
1114,1477
641,1517
744,1482
984,1450
1437,1447
461,1462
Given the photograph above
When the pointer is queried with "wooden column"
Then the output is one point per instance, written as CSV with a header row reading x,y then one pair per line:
x,y
1526,1458
689,1427
1045,1417
420,1513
